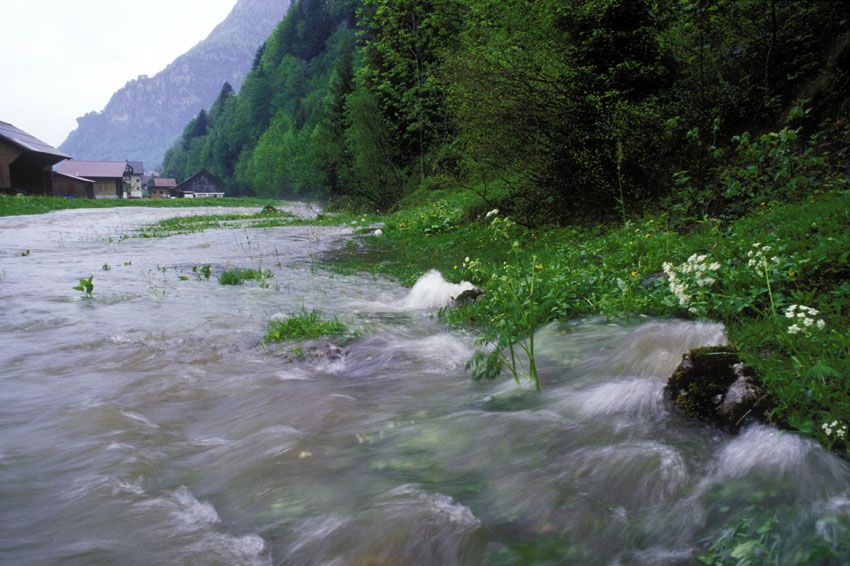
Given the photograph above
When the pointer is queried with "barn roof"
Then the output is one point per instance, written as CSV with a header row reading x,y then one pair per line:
x,y
188,182
89,169
26,141
161,183
138,167
74,177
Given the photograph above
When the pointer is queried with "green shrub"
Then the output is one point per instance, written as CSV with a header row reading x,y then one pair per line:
x,y
306,325
240,275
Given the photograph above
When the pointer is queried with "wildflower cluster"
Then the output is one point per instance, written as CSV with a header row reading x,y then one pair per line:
x,y
804,319
473,269
689,280
834,429
760,259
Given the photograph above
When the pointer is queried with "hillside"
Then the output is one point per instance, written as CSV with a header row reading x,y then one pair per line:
x,y
144,117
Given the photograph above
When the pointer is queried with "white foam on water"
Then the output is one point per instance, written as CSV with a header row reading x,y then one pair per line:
x,y
210,441
139,418
313,531
293,375
199,520
646,472
634,397
192,513
132,488
435,505
812,471
432,291
656,348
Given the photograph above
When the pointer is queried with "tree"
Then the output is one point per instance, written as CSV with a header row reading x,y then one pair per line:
x,y
404,42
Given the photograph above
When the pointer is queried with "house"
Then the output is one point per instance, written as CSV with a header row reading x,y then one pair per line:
x,y
68,186
26,162
134,190
201,185
163,188
108,176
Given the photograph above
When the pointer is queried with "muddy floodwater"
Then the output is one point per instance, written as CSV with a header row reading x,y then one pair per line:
x,y
149,424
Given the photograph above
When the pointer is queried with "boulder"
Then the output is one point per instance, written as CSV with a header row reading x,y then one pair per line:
x,y
714,385
468,297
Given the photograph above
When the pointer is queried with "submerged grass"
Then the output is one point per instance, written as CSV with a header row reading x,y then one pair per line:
x,y
306,325
20,205
199,223
239,275
778,278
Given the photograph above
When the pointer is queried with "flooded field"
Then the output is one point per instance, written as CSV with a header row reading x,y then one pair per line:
x,y
148,424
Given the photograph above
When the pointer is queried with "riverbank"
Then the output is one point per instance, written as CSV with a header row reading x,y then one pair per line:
x,y
21,205
778,278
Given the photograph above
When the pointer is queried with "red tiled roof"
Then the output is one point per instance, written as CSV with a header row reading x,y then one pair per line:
x,y
93,169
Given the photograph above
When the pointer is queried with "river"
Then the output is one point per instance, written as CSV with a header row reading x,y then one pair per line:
x,y
148,424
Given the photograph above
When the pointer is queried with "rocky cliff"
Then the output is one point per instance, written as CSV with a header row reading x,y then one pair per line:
x,y
142,119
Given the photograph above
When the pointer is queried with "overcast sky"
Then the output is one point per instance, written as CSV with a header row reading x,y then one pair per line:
x,y
63,58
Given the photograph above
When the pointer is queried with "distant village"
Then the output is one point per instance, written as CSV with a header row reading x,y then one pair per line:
x,y
31,167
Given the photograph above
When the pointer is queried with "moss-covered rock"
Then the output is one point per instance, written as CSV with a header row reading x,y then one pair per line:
x,y
714,385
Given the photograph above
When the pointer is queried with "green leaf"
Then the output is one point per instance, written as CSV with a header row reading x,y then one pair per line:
x,y
745,549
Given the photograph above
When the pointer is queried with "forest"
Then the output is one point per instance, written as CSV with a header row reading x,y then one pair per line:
x,y
600,107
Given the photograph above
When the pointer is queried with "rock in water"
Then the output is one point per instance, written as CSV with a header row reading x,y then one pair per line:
x,y
712,384
468,297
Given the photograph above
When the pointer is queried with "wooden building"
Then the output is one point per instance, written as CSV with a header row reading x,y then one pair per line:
x,y
110,177
163,188
201,185
70,186
26,162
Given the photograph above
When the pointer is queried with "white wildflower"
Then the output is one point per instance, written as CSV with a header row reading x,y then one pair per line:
x,y
804,319
493,212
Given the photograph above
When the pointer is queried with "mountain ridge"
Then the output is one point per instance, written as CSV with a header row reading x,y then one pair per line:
x,y
144,117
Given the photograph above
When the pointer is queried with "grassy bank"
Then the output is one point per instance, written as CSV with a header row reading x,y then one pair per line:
x,y
16,206
778,278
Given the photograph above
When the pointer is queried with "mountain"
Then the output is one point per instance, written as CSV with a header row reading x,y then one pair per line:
x,y
142,119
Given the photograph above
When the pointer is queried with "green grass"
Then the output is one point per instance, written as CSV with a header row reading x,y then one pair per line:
x,y
239,275
617,271
306,325
200,223
16,206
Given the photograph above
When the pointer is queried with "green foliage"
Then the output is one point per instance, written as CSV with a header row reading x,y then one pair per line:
x,y
559,97
192,224
516,299
772,167
306,325
239,275
204,271
373,172
746,274
759,539
264,140
86,286
404,42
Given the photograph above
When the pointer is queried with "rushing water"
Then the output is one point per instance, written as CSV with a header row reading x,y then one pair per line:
x,y
149,425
